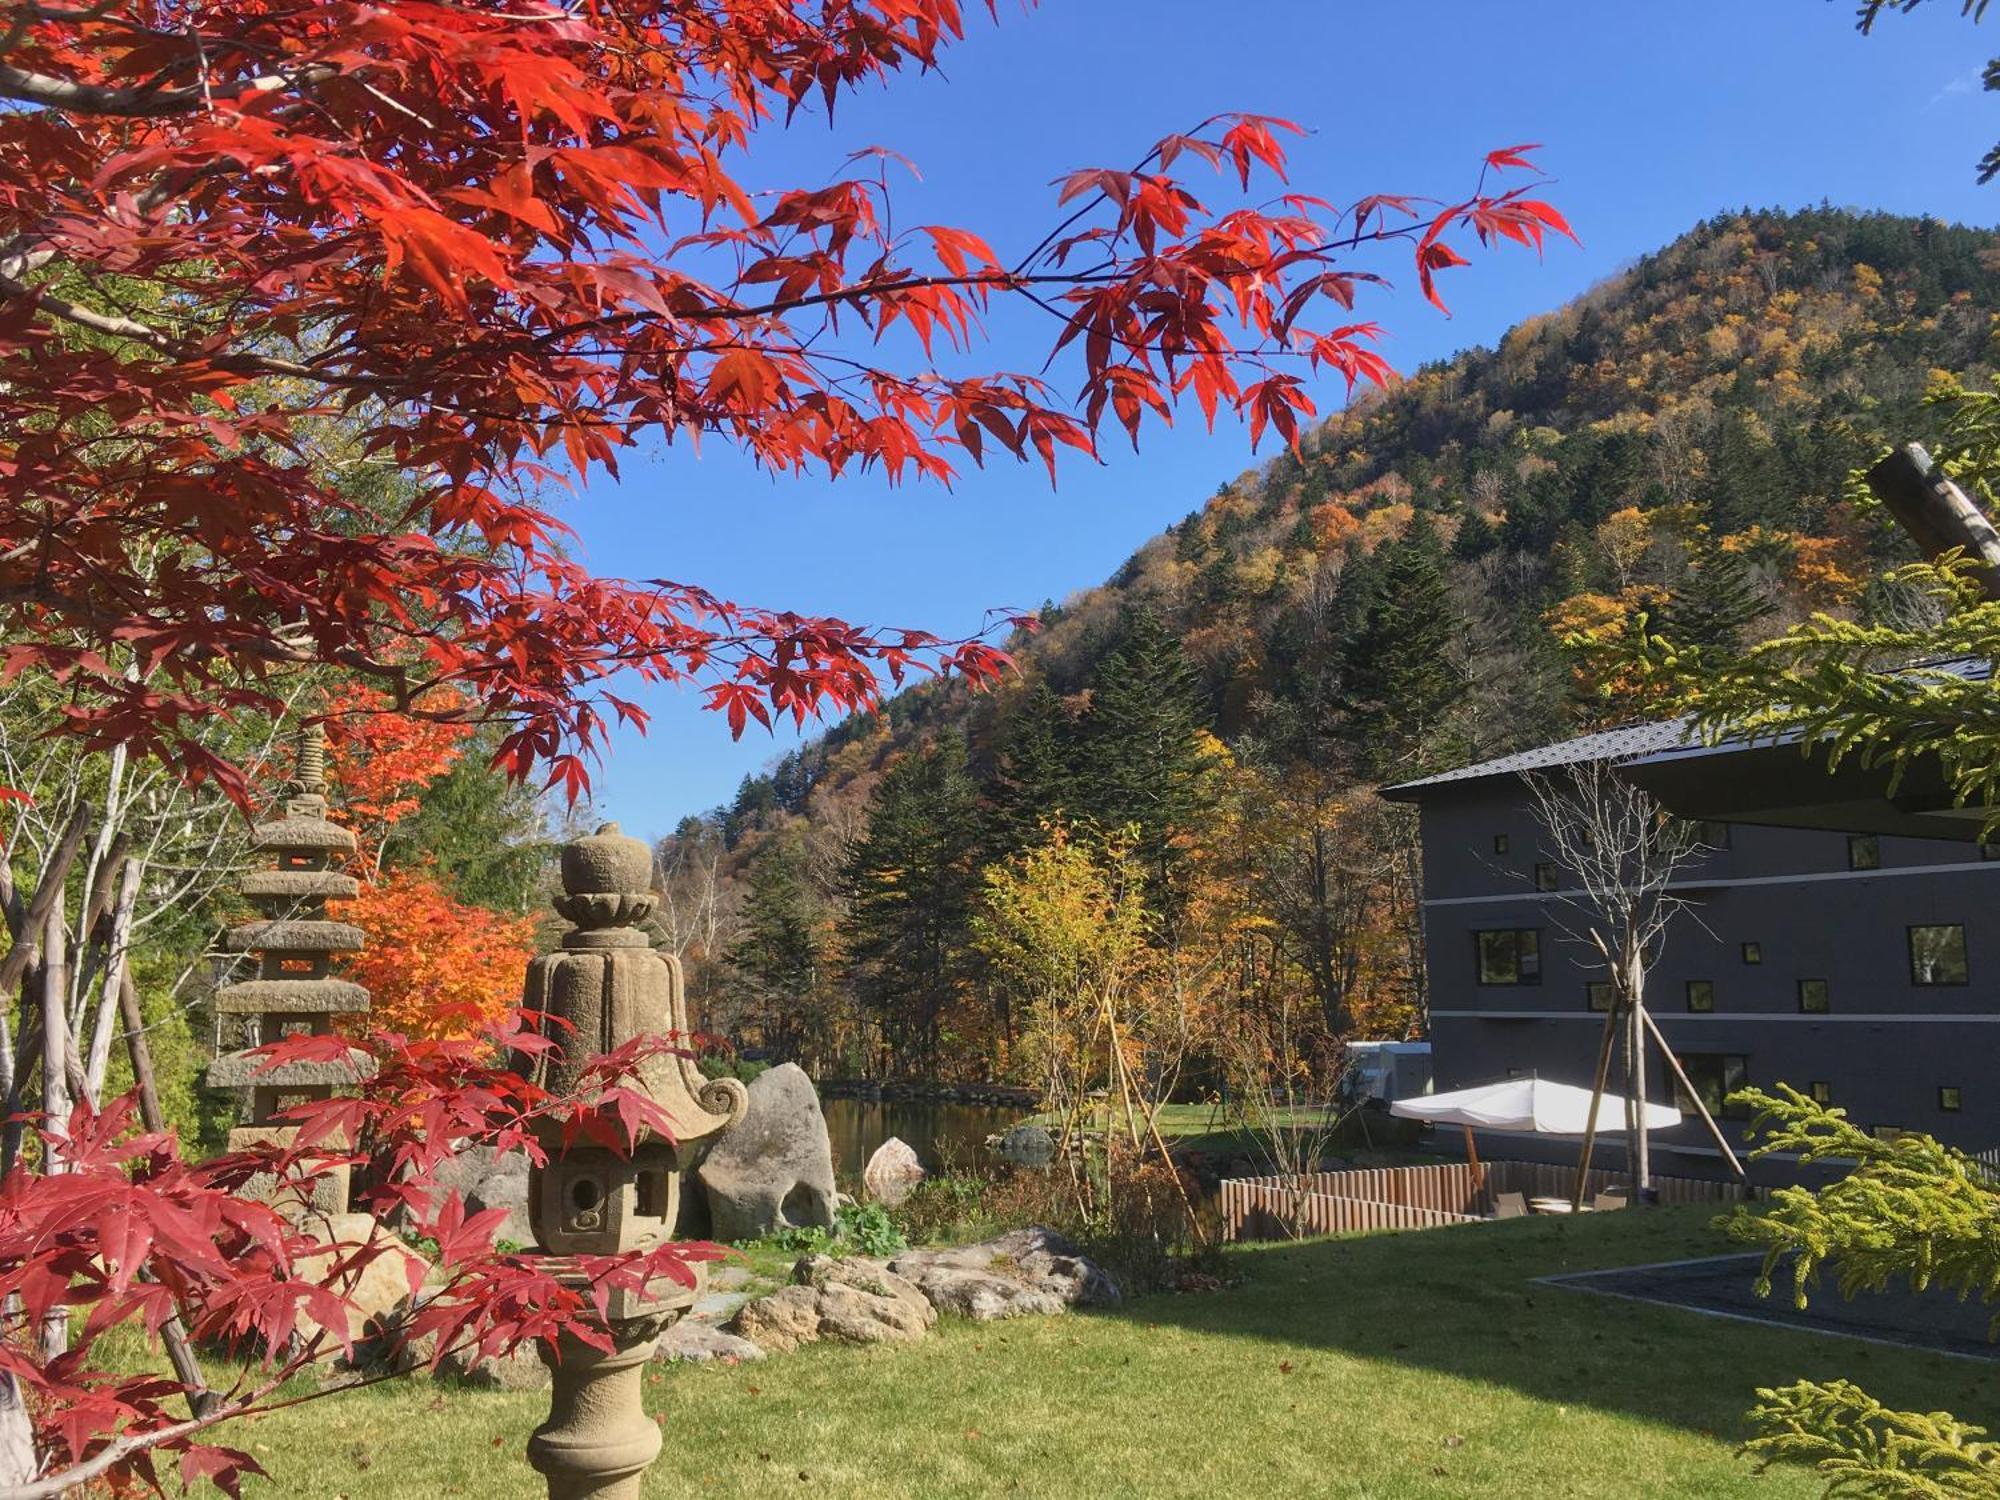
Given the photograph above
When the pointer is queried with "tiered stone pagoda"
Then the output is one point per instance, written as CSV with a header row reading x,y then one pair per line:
x,y
294,944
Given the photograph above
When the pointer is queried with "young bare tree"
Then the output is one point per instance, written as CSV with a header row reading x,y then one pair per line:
x,y
1618,856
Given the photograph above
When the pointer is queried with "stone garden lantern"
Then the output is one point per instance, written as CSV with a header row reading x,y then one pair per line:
x,y
609,985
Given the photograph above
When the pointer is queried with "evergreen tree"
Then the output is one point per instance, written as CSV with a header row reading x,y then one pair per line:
x,y
1719,598
911,880
484,835
1037,779
1403,683
1476,537
1143,741
780,959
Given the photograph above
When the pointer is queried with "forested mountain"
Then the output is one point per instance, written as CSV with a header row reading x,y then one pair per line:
x,y
1394,596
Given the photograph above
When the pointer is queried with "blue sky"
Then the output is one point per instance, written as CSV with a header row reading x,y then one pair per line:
x,y
1652,116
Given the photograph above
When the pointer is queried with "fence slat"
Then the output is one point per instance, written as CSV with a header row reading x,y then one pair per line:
x,y
1427,1197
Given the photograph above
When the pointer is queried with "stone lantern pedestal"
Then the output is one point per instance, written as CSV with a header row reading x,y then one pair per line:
x,y
608,986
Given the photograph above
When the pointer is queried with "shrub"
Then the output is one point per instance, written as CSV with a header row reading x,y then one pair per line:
x,y
867,1229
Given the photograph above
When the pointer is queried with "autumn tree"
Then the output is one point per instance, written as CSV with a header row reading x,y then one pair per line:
x,y
435,967
443,225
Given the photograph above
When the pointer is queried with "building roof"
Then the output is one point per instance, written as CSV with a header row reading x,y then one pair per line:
x,y
1624,743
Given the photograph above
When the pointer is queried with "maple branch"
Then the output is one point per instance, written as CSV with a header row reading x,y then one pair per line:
x,y
27,87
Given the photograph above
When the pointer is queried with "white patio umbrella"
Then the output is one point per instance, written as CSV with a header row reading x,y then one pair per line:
x,y
1527,1106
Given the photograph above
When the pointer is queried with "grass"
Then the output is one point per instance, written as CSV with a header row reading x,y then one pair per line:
x,y
1213,1128
1387,1367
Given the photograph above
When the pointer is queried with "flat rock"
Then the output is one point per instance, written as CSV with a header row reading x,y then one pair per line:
x,y
892,1173
716,1308
773,1169
689,1342
1022,1273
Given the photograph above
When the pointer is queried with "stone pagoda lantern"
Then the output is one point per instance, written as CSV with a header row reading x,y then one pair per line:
x,y
292,991
609,985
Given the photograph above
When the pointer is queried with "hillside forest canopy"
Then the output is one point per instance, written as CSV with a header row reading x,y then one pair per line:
x,y
1460,565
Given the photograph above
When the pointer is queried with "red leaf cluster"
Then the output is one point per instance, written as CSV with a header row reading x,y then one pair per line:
x,y
488,243
129,1232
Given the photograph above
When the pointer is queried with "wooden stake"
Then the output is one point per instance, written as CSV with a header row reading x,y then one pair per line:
x,y
1596,1101
1680,1077
1472,1156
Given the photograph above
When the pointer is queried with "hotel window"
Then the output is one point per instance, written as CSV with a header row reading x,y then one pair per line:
x,y
1509,955
1715,1076
1701,994
1937,954
1597,993
1950,1099
1887,1132
1545,877
1864,852
1812,996
1499,843
1820,1093
1753,953
1712,834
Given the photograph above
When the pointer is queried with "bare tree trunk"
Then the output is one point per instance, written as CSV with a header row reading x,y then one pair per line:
x,y
56,1099
173,1332
17,1439
117,963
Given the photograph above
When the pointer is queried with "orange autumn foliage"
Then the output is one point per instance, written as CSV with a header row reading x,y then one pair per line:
x,y
435,967
1829,570
381,759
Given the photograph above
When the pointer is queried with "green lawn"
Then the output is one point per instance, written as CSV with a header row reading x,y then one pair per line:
x,y
1384,1367
1211,1128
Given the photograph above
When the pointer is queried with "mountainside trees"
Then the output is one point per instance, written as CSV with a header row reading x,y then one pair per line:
x,y
1460,566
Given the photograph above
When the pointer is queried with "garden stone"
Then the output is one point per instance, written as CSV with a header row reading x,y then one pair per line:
x,y
717,1307
689,1342
521,1370
782,1321
382,1288
892,1173
1027,1146
1028,1272
773,1169
485,1179
850,1298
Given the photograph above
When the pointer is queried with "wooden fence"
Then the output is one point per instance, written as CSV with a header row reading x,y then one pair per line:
x,y
1423,1197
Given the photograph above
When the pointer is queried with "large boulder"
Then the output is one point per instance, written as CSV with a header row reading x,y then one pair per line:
x,y
378,1290
1022,1273
850,1298
485,1179
892,1173
773,1169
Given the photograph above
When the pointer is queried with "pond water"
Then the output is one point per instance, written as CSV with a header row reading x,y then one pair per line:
x,y
941,1134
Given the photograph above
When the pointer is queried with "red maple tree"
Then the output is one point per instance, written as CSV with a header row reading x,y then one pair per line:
x,y
495,243
485,239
